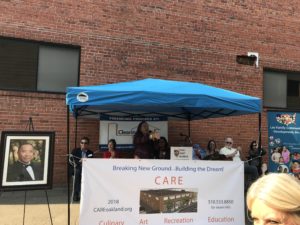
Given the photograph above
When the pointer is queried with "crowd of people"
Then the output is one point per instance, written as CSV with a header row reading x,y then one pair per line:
x,y
150,145
285,160
269,199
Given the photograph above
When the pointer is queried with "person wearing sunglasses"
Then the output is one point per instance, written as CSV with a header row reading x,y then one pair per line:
x,y
235,155
76,157
229,151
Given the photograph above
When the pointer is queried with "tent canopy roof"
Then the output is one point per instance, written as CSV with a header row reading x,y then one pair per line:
x,y
156,97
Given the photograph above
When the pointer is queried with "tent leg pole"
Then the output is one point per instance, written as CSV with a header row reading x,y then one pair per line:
x,y
189,131
259,130
68,168
76,129
189,128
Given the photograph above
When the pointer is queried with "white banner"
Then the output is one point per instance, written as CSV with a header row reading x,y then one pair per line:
x,y
123,131
156,192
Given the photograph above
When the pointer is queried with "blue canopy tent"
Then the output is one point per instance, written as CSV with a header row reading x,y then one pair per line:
x,y
153,97
156,97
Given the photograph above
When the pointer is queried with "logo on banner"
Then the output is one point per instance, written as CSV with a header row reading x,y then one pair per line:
x,y
286,119
82,97
184,153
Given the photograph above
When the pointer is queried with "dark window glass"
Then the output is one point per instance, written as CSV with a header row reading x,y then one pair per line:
x,y
32,66
58,68
18,65
281,89
293,88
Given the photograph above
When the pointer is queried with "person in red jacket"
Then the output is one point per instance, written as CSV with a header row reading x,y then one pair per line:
x,y
111,152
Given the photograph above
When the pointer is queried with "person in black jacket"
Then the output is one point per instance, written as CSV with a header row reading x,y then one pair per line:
x,y
24,169
76,158
255,156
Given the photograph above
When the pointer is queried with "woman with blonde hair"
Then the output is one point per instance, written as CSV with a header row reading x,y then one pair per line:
x,y
275,199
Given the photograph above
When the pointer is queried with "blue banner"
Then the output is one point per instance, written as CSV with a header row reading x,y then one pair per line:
x,y
284,142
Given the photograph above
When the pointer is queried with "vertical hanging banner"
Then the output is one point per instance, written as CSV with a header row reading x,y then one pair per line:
x,y
157,192
284,142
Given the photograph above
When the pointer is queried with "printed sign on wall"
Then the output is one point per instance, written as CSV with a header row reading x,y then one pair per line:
x,y
284,142
182,153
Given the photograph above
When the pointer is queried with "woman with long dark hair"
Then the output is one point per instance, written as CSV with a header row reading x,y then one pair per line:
x,y
163,148
211,147
144,142
213,152
111,152
255,156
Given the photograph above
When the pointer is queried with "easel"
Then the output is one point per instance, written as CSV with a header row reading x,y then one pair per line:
x,y
30,127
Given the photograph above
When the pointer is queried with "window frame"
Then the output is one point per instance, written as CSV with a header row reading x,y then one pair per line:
x,y
288,75
47,44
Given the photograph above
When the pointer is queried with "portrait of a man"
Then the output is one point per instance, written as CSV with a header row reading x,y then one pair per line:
x,y
24,169
27,160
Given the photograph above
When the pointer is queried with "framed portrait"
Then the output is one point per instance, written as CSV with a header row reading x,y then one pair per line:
x,y
26,160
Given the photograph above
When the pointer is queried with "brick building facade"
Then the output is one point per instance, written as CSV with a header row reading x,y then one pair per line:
x,y
194,41
166,201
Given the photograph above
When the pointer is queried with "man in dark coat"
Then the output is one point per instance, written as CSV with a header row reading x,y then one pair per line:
x,y
24,169
76,158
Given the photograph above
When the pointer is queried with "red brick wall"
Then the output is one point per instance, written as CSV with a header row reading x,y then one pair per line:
x,y
181,40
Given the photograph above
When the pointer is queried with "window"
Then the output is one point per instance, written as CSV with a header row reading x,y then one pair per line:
x,y
293,90
32,66
282,89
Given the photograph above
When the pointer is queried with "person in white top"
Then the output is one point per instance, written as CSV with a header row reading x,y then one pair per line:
x,y
235,155
276,155
229,151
